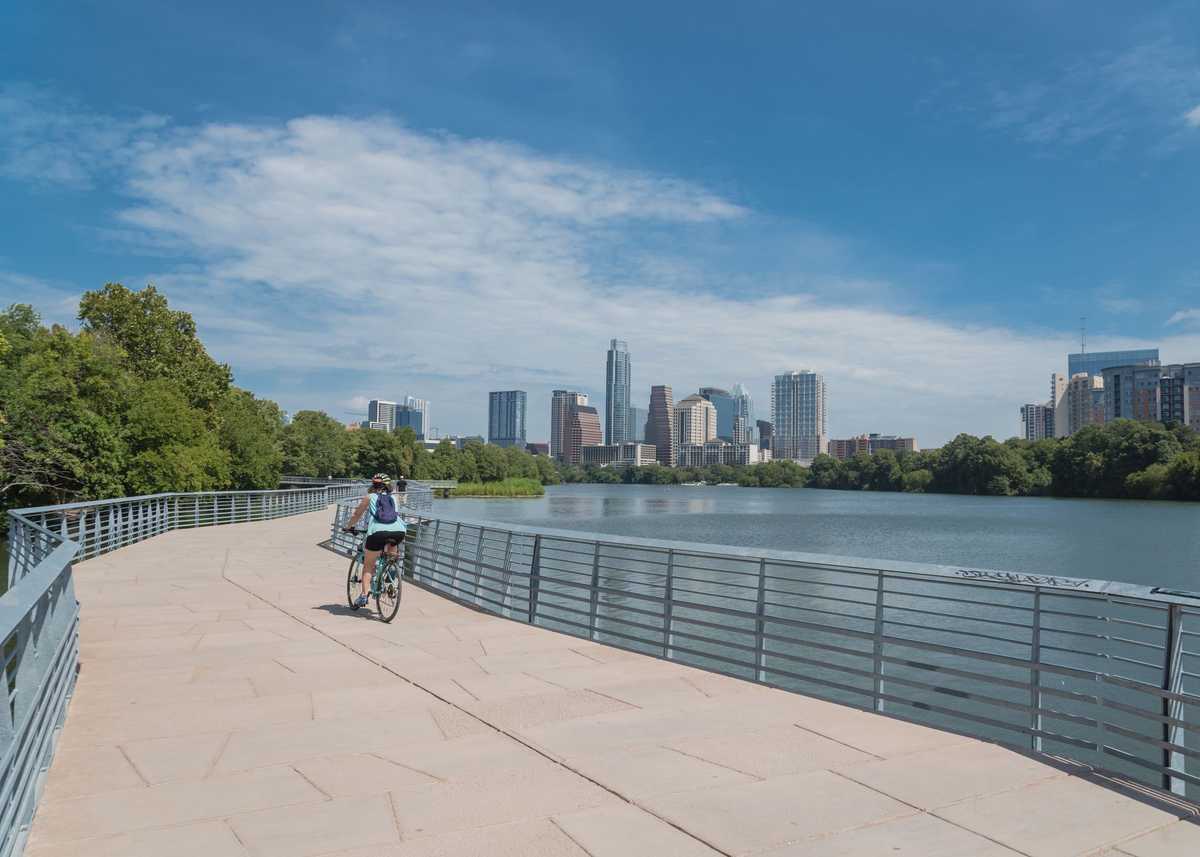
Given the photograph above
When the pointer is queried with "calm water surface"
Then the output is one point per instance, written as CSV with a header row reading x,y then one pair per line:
x,y
1155,544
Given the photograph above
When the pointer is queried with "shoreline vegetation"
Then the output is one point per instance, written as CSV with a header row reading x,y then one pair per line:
x,y
503,488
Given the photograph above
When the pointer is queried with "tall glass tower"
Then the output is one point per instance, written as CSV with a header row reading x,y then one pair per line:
x,y
798,415
506,418
616,393
744,429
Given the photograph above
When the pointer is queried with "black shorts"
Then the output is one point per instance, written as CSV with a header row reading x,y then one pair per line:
x,y
378,540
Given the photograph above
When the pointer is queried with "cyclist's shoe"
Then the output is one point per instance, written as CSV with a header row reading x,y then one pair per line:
x,y
362,601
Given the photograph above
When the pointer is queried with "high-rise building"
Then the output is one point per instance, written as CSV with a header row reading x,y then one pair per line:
x,y
1179,399
726,409
1058,403
582,429
408,417
1085,401
561,402
869,444
616,393
1167,394
421,406
617,455
379,411
636,433
506,418
744,429
1037,421
1095,362
660,424
798,414
695,421
765,430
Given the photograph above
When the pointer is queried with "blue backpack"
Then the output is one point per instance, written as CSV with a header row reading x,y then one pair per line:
x,y
385,509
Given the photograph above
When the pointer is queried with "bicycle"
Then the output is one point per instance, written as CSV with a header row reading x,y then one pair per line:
x,y
385,582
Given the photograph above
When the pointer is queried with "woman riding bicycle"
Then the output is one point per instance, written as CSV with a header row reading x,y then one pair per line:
x,y
385,529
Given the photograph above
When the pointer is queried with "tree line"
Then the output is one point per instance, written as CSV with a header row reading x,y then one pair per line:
x,y
132,403
1121,459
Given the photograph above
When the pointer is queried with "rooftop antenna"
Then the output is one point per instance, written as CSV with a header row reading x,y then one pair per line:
x,y
1083,334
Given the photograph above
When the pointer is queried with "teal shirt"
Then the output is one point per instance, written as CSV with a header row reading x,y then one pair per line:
x,y
398,526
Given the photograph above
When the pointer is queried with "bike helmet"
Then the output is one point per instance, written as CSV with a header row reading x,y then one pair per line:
x,y
380,479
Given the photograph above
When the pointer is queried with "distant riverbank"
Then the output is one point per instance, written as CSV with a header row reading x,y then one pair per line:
x,y
503,488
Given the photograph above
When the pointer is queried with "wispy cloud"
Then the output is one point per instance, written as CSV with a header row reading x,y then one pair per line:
x,y
1185,316
1192,117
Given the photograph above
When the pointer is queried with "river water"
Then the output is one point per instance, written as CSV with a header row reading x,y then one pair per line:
x,y
1151,543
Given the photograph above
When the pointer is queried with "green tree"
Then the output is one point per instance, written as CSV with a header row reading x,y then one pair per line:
x,y
170,446
250,431
159,341
1183,476
315,444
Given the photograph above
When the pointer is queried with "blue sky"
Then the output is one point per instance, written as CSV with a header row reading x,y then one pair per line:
x,y
374,199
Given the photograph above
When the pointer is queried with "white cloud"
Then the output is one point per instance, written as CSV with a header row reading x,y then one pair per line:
x,y
331,259
1184,316
1192,117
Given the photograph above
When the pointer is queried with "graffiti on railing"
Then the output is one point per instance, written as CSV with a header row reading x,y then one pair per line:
x,y
1022,579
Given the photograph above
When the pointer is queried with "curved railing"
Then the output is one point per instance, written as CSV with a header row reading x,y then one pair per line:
x,y
39,616
1102,673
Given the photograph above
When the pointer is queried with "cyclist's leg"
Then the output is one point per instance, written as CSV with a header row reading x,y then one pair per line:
x,y
369,560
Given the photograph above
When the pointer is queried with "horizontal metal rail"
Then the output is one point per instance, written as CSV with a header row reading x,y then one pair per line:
x,y
39,615
1100,672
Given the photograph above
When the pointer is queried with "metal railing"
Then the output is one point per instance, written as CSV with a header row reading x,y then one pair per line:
x,y
1102,673
39,616
317,480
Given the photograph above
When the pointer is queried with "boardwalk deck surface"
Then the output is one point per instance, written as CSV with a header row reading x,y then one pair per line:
x,y
230,705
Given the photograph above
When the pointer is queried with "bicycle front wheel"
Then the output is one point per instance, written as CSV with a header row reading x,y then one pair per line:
x,y
354,581
387,599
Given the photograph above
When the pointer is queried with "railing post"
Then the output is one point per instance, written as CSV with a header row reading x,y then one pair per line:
x,y
454,556
535,576
478,563
1172,709
507,566
877,670
760,612
594,593
1035,676
668,603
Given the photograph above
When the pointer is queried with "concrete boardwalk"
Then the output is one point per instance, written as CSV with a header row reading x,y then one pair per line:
x,y
229,704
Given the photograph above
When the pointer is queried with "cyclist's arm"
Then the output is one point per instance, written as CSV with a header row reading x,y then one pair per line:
x,y
359,512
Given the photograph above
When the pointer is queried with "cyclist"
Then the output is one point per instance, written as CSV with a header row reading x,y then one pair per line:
x,y
385,529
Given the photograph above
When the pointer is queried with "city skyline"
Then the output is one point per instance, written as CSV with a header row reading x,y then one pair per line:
x,y
485,199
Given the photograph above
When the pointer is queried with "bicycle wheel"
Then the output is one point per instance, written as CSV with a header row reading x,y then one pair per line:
x,y
387,598
354,580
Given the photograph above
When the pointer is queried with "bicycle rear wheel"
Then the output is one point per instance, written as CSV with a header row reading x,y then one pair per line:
x,y
354,580
387,598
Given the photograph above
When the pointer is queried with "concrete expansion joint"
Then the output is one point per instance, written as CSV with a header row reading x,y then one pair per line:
x,y
489,724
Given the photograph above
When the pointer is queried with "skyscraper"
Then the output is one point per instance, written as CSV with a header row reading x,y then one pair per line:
x,y
695,421
1095,362
379,411
506,418
412,418
765,432
582,429
636,433
744,428
725,407
1058,403
561,402
1037,421
798,415
1085,401
422,406
616,393
660,425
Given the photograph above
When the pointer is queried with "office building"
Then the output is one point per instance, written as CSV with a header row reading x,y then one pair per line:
x,y
616,393
379,411
618,455
744,429
726,409
1037,421
409,417
537,448
637,424
422,407
720,452
1131,392
765,430
1085,401
660,424
1095,362
561,402
376,425
869,444
1179,399
798,416
582,429
1058,403
695,421
506,418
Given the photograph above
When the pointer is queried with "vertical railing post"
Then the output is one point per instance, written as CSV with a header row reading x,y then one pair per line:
x,y
877,660
1035,676
760,613
1172,708
454,556
478,563
535,576
668,601
507,573
594,593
